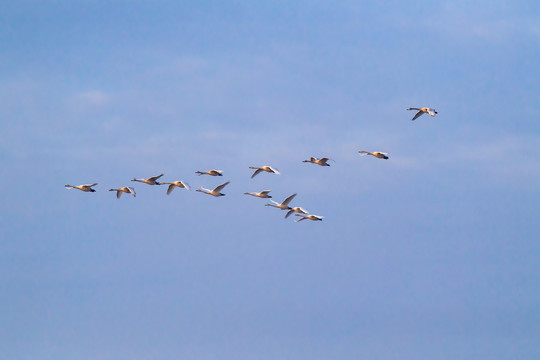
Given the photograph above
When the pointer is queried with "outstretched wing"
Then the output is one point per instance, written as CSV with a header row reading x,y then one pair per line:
x,y
418,114
154,178
118,193
302,217
185,185
220,187
170,189
289,213
132,191
288,200
256,173
274,170
264,192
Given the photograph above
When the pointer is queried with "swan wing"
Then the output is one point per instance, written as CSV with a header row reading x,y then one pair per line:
x,y
289,213
256,173
170,189
154,178
185,185
220,187
288,200
418,114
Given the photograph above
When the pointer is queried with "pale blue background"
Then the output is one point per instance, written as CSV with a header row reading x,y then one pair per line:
x,y
433,254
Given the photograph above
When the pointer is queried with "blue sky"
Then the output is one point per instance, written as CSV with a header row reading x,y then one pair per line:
x,y
433,253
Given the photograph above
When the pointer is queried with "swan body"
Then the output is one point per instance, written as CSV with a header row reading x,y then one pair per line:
x,y
296,209
174,184
216,192
262,194
284,205
321,161
85,188
377,154
210,172
125,189
309,217
150,180
266,168
422,111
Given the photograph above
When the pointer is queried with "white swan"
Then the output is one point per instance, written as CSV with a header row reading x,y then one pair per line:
x,y
150,180
422,111
321,161
210,172
216,192
284,205
309,217
85,188
296,209
262,194
377,154
266,168
174,184
125,189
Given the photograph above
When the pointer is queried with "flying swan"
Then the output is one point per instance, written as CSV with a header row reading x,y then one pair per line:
x,y
125,189
85,188
216,192
422,111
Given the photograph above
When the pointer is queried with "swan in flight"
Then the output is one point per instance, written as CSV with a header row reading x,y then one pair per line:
x,y
266,168
174,184
296,209
284,205
262,194
150,180
309,217
422,111
210,172
125,189
377,154
321,161
85,188
216,192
